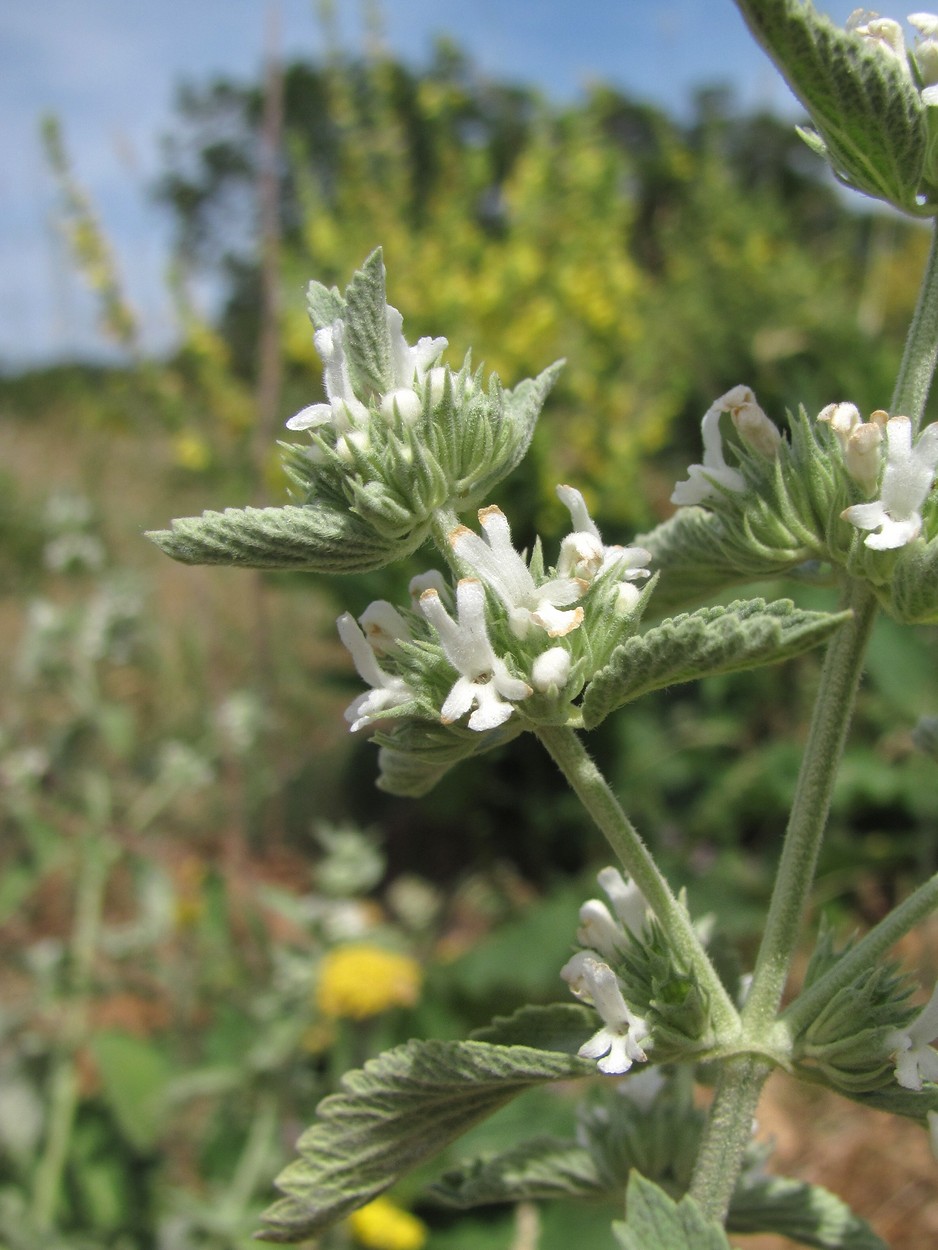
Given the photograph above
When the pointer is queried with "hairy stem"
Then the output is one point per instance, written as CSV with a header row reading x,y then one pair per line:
x,y
729,1130
921,346
594,793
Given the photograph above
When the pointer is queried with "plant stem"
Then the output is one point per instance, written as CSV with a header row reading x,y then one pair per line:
x,y
594,793
921,346
443,523
728,1132
833,710
867,952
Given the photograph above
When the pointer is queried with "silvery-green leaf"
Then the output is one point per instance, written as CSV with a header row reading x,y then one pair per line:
x,y
558,1026
317,537
746,634
398,1111
416,754
542,1168
654,1221
367,338
809,1214
912,594
324,304
862,101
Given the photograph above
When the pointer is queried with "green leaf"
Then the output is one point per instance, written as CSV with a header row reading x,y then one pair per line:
x,y
746,634
542,1168
656,1222
867,110
562,1027
416,754
808,1214
135,1077
367,338
316,538
324,304
398,1111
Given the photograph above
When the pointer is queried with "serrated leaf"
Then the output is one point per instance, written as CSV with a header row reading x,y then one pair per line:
x,y
808,1214
562,1027
542,1168
654,1221
862,101
324,304
746,634
367,338
399,1110
315,537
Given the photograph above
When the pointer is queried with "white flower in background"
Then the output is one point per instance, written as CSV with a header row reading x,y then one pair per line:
x,y
757,431
387,689
505,571
885,35
916,1060
484,681
410,370
926,53
583,554
618,1044
895,518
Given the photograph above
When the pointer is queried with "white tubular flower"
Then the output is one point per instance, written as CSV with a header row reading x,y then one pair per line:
x,y
344,410
881,33
583,554
859,441
916,1060
896,517
703,480
433,579
627,900
384,627
550,671
618,1044
504,570
599,931
484,680
387,691
410,365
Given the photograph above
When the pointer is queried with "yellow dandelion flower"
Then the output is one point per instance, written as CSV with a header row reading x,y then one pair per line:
x,y
361,980
381,1225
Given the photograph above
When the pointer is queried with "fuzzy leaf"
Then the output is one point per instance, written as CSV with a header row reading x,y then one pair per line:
x,y
324,304
317,538
542,1168
399,1110
562,1027
746,634
367,339
656,1222
808,1214
862,101
416,754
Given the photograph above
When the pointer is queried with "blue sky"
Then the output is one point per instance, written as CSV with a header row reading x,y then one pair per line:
x,y
109,69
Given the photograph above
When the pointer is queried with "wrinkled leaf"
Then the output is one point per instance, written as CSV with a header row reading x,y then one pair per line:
x,y
398,1111
543,1168
808,1214
746,634
416,754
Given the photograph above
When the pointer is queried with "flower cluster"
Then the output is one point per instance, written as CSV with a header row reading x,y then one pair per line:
x,y
624,1036
886,36
510,630
916,1059
705,480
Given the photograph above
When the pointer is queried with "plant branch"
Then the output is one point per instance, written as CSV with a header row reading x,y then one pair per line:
x,y
921,346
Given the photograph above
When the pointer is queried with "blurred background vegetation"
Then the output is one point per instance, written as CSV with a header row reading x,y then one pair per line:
x,y
193,855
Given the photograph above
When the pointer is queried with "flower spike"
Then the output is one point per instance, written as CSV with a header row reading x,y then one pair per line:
x,y
895,518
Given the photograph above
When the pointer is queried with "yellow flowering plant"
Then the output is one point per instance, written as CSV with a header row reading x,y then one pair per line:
x,y
404,452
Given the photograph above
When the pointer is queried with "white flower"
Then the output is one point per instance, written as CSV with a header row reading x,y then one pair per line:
x,y
623,1034
384,627
627,900
916,1060
881,33
583,554
907,480
484,680
550,671
859,441
704,480
410,368
505,571
598,929
926,53
388,690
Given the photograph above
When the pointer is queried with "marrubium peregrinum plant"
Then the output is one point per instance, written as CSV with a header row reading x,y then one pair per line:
x,y
492,642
